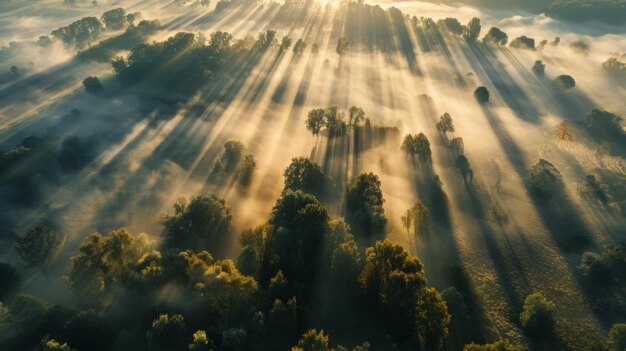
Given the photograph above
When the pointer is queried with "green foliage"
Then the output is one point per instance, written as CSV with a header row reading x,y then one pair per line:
x,y
545,179
593,186
564,82
417,145
167,333
617,337
417,217
539,68
457,146
114,19
482,95
471,31
501,345
200,342
432,320
604,122
38,246
299,47
537,316
311,340
604,268
92,85
181,63
203,223
357,116
330,118
80,32
615,68
53,345
285,43
451,25
445,124
607,11
364,206
523,42
580,47
233,339
103,262
496,36
303,174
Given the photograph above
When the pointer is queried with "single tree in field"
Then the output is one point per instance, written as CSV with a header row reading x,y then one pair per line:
x,y
93,86
537,316
38,246
539,68
285,44
496,36
364,206
564,82
342,46
544,178
445,124
299,47
482,95
563,132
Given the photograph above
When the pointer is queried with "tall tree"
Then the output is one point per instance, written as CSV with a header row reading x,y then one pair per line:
x,y
38,246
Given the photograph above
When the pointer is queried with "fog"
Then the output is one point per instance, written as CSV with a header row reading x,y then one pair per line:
x,y
147,156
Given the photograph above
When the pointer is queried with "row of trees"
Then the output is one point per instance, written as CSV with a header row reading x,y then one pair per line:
x,y
87,29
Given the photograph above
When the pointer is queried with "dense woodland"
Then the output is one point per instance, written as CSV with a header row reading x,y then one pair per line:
x,y
318,271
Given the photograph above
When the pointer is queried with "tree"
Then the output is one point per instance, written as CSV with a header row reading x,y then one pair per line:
x,y
432,320
501,345
445,124
285,43
357,116
38,246
617,337
299,47
246,170
93,86
523,42
200,342
53,345
537,315
564,82
220,41
463,165
342,46
79,32
544,178
233,339
105,262
422,147
303,174
451,25
556,41
580,47
311,340
604,122
203,223
482,95
539,68
418,217
364,206
456,144
168,333
496,36
114,19
315,121
472,30
563,132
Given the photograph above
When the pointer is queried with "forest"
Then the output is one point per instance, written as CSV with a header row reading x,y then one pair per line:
x,y
312,176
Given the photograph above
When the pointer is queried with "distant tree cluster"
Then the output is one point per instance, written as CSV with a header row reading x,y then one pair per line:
x,y
332,120
233,164
87,29
417,145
